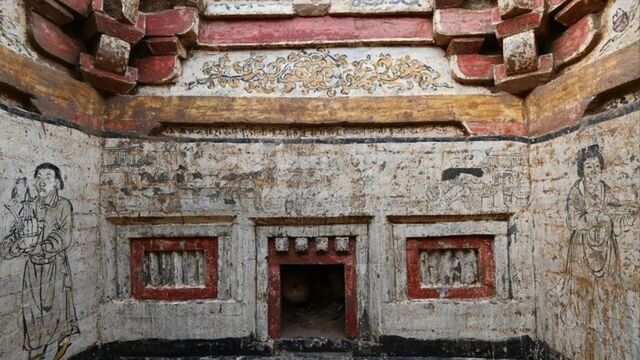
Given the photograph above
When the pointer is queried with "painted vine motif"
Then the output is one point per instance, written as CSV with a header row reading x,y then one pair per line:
x,y
319,71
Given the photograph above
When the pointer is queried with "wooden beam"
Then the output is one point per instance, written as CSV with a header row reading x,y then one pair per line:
x,y
314,32
144,114
54,93
563,101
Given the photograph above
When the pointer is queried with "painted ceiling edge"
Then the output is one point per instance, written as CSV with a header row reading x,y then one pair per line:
x,y
120,48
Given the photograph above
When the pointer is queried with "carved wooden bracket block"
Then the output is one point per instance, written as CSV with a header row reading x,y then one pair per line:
x,y
51,40
79,7
112,55
577,9
100,23
512,8
125,11
460,46
474,69
576,42
156,70
449,23
520,53
522,83
166,45
52,10
181,22
106,80
530,21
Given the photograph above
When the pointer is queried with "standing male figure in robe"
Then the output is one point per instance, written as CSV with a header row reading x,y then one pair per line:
x,y
41,232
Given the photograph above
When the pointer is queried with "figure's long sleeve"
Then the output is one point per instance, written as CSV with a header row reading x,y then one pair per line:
x,y
578,218
60,236
9,246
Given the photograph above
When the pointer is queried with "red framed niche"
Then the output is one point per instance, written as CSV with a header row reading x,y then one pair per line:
x,y
311,256
479,246
206,249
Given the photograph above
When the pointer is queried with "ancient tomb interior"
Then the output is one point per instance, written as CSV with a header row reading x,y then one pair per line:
x,y
319,179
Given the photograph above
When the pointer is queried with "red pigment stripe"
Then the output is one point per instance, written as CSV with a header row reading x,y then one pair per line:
x,y
316,31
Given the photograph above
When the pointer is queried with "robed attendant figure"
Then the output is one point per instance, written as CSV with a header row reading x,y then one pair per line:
x,y
41,233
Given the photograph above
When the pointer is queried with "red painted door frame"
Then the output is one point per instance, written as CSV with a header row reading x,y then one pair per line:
x,y
312,257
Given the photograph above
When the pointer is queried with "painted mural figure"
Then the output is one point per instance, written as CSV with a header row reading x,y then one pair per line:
x,y
41,233
596,220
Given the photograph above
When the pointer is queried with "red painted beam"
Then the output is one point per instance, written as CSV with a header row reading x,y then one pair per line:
x,y
315,31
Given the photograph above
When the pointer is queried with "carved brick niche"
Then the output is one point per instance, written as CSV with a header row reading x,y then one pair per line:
x,y
176,262
177,268
463,260
310,247
450,267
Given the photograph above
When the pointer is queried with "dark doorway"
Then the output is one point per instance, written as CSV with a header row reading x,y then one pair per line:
x,y
313,301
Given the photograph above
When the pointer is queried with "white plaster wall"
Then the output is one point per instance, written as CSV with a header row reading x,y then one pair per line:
x,y
301,180
24,144
607,326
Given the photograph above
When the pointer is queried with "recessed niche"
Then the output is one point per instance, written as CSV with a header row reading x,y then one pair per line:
x,y
312,301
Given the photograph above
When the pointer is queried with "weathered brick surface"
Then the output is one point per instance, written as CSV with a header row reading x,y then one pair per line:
x,y
125,11
520,53
511,8
521,83
112,55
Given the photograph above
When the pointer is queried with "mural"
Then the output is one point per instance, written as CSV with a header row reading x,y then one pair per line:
x,y
11,28
41,233
591,291
622,25
500,180
319,71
